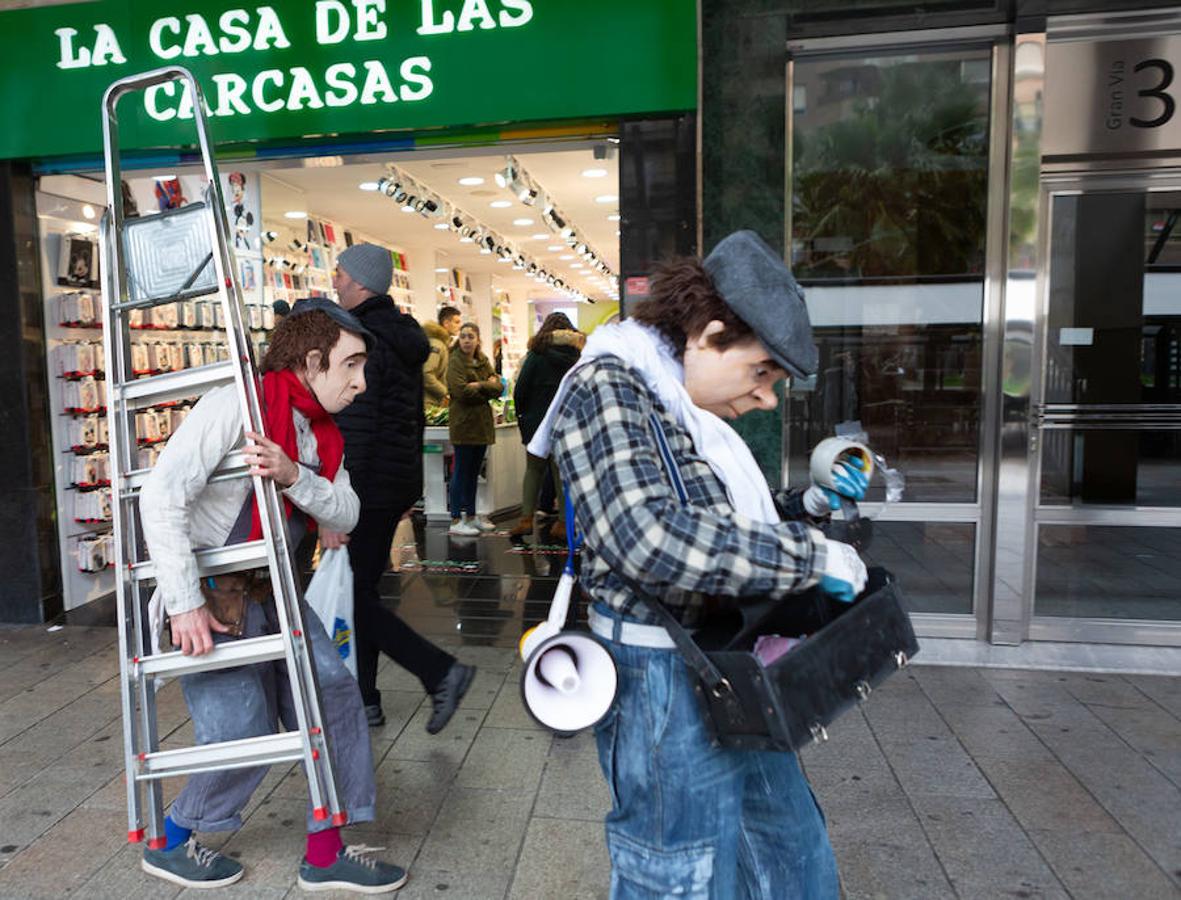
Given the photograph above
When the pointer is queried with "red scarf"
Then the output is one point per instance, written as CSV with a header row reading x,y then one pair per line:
x,y
283,392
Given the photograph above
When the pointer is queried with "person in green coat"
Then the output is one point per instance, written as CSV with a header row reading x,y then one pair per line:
x,y
552,351
472,383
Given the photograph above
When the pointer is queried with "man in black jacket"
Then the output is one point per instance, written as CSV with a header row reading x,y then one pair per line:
x,y
383,454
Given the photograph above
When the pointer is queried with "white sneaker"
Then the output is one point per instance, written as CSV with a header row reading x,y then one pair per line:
x,y
482,523
463,528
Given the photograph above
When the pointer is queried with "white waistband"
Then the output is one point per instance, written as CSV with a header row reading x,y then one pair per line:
x,y
634,634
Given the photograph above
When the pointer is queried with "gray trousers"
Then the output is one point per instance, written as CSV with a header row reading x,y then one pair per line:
x,y
249,701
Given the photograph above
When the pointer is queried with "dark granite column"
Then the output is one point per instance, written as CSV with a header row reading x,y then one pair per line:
x,y
30,589
744,102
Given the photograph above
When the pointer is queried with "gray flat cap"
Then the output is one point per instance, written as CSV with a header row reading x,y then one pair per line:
x,y
760,289
337,314
369,265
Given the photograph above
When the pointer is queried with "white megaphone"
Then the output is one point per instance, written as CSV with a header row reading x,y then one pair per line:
x,y
570,679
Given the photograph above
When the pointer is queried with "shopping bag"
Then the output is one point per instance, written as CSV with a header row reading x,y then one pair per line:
x,y
330,595
404,547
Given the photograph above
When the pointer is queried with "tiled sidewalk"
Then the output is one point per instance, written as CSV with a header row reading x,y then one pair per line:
x,y
953,783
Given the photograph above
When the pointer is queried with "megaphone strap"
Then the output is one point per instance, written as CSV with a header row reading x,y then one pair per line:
x,y
573,538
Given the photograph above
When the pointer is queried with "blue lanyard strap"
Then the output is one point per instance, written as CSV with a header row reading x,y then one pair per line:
x,y
573,538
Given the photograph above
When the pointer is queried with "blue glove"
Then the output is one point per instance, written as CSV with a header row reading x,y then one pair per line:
x,y
844,573
848,481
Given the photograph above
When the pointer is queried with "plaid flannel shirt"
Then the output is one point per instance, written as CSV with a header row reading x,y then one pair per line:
x,y
634,524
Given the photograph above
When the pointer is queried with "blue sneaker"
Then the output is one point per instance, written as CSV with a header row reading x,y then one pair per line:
x,y
192,865
353,871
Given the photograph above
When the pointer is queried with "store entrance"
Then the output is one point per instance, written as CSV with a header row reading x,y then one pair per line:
x,y
1106,424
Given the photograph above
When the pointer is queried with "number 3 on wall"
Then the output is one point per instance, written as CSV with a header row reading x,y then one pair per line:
x,y
1157,93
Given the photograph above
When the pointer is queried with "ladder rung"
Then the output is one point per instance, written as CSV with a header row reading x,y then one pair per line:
x,y
175,385
287,746
216,560
147,302
231,653
233,466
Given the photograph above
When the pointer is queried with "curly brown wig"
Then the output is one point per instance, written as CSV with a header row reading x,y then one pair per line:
x,y
683,301
297,336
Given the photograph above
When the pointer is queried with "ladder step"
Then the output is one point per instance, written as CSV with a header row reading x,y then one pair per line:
x,y
216,560
233,466
175,385
231,653
287,746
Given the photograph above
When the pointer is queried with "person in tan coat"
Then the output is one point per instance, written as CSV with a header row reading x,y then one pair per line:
x,y
434,370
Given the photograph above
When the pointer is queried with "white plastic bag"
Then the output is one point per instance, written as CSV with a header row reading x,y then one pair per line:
x,y
330,595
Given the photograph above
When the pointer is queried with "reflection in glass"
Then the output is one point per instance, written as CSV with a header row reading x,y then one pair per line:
x,y
890,158
1148,474
932,560
1092,571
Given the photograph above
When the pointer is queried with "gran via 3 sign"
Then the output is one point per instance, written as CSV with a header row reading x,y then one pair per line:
x,y
1117,97
286,70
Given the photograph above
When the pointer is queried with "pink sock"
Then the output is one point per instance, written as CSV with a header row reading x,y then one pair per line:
x,y
323,847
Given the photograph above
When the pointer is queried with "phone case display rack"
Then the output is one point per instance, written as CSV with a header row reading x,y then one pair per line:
x,y
300,264
167,338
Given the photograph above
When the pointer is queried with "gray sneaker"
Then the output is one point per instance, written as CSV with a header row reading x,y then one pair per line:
x,y
353,871
192,865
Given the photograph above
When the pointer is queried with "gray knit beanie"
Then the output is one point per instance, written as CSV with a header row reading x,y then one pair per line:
x,y
368,265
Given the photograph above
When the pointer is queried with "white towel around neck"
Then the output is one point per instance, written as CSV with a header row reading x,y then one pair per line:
x,y
644,350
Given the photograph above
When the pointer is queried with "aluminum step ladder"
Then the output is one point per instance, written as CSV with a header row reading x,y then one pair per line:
x,y
175,256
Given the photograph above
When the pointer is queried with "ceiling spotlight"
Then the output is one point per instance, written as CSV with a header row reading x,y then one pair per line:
x,y
555,220
400,195
504,177
295,244
270,237
526,194
456,222
568,236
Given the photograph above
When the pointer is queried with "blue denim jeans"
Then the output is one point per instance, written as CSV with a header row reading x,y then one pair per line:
x,y
249,701
465,478
691,820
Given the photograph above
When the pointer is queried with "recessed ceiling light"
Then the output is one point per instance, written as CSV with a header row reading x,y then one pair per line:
x,y
594,173
614,217
88,211
501,204
441,226
368,185
606,198
575,265
541,237
566,256
522,223
442,269
471,180
295,214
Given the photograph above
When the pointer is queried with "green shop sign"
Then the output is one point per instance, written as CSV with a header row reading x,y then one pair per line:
x,y
304,68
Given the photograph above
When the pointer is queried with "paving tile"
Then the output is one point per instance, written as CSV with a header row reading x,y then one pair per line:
x,y
484,688
451,744
955,687
936,767
477,831
508,710
121,878
505,759
452,884
61,861
850,743
995,731
1165,692
1104,690
843,785
1102,866
410,793
572,786
1043,794
562,858
984,850
882,852
399,708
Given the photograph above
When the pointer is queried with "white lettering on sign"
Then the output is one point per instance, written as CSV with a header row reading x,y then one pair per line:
x,y
156,37
296,89
105,50
369,28
514,14
332,22
235,36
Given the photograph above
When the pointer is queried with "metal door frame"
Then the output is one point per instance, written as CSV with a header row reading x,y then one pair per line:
x,y
981,512
1087,629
